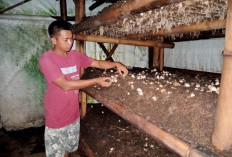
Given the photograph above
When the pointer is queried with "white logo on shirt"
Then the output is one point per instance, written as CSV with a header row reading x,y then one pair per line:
x,y
69,70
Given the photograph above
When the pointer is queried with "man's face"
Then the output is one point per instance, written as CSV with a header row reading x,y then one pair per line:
x,y
63,40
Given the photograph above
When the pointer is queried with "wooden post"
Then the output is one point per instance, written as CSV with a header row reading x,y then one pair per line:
x,y
161,59
151,55
63,9
222,133
156,57
80,46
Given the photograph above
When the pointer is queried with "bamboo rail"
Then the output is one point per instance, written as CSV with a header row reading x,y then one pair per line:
x,y
222,134
196,27
171,142
120,11
122,41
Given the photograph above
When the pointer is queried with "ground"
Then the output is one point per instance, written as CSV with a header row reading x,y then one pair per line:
x,y
106,134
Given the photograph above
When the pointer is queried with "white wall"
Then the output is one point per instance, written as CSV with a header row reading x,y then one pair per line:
x,y
200,55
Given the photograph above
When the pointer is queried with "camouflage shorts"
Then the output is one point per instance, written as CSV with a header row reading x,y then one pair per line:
x,y
62,140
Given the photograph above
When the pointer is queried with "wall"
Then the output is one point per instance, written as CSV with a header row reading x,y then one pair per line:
x,y
200,55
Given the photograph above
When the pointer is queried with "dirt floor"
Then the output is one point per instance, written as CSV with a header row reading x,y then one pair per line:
x,y
183,104
107,134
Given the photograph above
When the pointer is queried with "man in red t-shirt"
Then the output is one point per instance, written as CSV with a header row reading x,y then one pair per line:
x,y
61,69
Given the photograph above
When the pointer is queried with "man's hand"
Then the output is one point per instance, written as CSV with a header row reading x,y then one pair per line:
x,y
104,81
122,70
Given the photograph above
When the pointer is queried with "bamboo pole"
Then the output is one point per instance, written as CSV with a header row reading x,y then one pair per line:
x,y
222,133
13,6
122,41
119,11
171,142
80,13
196,27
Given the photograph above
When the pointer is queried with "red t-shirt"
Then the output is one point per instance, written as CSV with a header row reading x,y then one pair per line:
x,y
61,107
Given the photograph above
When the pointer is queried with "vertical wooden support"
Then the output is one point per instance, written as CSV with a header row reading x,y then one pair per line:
x,y
161,58
222,133
156,57
63,9
151,53
161,66
80,46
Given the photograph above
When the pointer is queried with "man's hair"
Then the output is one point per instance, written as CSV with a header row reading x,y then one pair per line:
x,y
56,26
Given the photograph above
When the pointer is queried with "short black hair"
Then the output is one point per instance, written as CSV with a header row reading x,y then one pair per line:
x,y
56,26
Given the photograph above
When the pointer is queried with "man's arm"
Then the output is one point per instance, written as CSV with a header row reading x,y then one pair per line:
x,y
107,65
67,85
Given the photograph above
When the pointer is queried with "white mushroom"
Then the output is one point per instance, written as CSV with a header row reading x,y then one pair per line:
x,y
212,88
192,95
132,86
197,85
154,98
139,90
186,85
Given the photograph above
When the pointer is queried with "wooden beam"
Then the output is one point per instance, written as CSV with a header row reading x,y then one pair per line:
x,y
63,9
222,133
196,27
105,51
161,59
13,6
68,18
96,4
156,54
111,52
122,41
119,11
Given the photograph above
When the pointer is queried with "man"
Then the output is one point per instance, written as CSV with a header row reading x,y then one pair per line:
x,y
61,68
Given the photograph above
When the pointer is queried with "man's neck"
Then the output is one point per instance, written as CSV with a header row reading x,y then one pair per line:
x,y
59,52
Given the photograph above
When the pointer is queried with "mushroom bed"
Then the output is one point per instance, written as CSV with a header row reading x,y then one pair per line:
x,y
183,104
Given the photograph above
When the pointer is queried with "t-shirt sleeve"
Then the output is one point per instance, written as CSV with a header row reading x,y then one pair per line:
x,y
50,70
85,61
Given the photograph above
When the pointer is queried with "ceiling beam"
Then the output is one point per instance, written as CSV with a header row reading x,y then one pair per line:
x,y
113,13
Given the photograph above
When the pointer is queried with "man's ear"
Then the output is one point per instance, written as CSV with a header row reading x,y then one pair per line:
x,y
53,39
